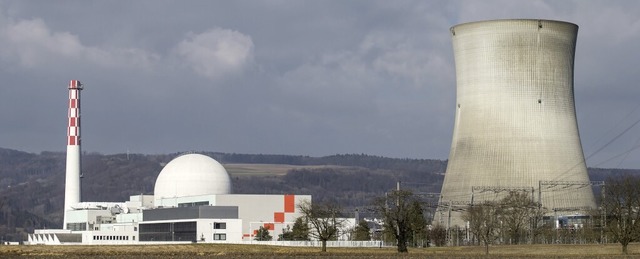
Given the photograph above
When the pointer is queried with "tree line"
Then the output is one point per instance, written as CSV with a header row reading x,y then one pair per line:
x,y
514,219
517,219
32,189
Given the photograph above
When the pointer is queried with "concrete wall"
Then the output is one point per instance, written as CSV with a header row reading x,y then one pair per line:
x,y
515,120
270,211
220,212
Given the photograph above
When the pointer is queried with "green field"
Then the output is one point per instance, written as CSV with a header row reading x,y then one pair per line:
x,y
261,251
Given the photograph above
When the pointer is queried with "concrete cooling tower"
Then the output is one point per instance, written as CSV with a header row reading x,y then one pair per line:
x,y
515,121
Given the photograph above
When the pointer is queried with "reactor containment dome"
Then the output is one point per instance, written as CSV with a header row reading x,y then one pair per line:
x,y
192,175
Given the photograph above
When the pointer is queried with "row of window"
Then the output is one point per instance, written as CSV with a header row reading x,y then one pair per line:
x,y
114,238
219,225
219,236
173,231
193,204
77,226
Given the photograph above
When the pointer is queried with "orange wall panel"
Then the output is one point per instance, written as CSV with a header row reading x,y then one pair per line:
x,y
278,217
269,226
289,203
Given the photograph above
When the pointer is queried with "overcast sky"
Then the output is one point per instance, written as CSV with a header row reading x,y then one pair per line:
x,y
287,77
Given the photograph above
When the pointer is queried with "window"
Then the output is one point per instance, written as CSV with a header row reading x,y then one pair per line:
x,y
219,225
174,231
219,236
184,231
77,226
193,204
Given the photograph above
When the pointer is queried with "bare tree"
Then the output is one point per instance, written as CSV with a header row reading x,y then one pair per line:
x,y
438,235
399,211
519,214
622,206
484,222
323,219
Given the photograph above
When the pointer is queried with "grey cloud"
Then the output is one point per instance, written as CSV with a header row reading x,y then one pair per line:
x,y
292,77
216,52
32,44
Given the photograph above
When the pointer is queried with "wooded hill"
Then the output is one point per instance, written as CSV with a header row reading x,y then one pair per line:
x,y
32,185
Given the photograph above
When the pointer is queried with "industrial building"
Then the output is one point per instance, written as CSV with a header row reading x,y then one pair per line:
x,y
192,202
194,208
515,123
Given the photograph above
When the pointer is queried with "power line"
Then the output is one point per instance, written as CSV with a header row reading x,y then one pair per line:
x,y
616,126
625,153
614,139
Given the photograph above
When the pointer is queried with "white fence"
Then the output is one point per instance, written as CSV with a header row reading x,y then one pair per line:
x,y
318,243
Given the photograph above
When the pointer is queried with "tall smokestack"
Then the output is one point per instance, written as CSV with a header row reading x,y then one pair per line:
x,y
73,174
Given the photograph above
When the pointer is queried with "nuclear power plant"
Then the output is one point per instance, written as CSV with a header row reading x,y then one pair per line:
x,y
515,130
515,123
192,202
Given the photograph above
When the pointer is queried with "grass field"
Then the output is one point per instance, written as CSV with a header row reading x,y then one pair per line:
x,y
261,251
267,169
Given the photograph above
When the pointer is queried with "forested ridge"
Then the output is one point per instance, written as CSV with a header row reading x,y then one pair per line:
x,y
32,185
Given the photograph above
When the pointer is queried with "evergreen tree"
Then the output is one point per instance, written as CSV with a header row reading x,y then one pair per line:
x,y
362,231
300,230
418,224
287,234
263,235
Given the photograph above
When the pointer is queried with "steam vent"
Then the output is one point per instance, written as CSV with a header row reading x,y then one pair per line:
x,y
515,121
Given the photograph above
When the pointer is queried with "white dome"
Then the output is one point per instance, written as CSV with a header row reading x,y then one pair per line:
x,y
192,175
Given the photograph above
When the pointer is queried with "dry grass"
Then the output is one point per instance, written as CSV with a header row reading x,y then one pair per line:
x,y
260,251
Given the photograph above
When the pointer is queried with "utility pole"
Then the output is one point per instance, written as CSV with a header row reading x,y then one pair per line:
x,y
398,208
603,224
398,193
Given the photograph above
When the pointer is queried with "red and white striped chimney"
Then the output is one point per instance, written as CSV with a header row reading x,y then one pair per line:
x,y
73,174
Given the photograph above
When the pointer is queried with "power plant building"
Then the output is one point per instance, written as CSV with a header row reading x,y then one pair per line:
x,y
515,123
212,214
192,202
